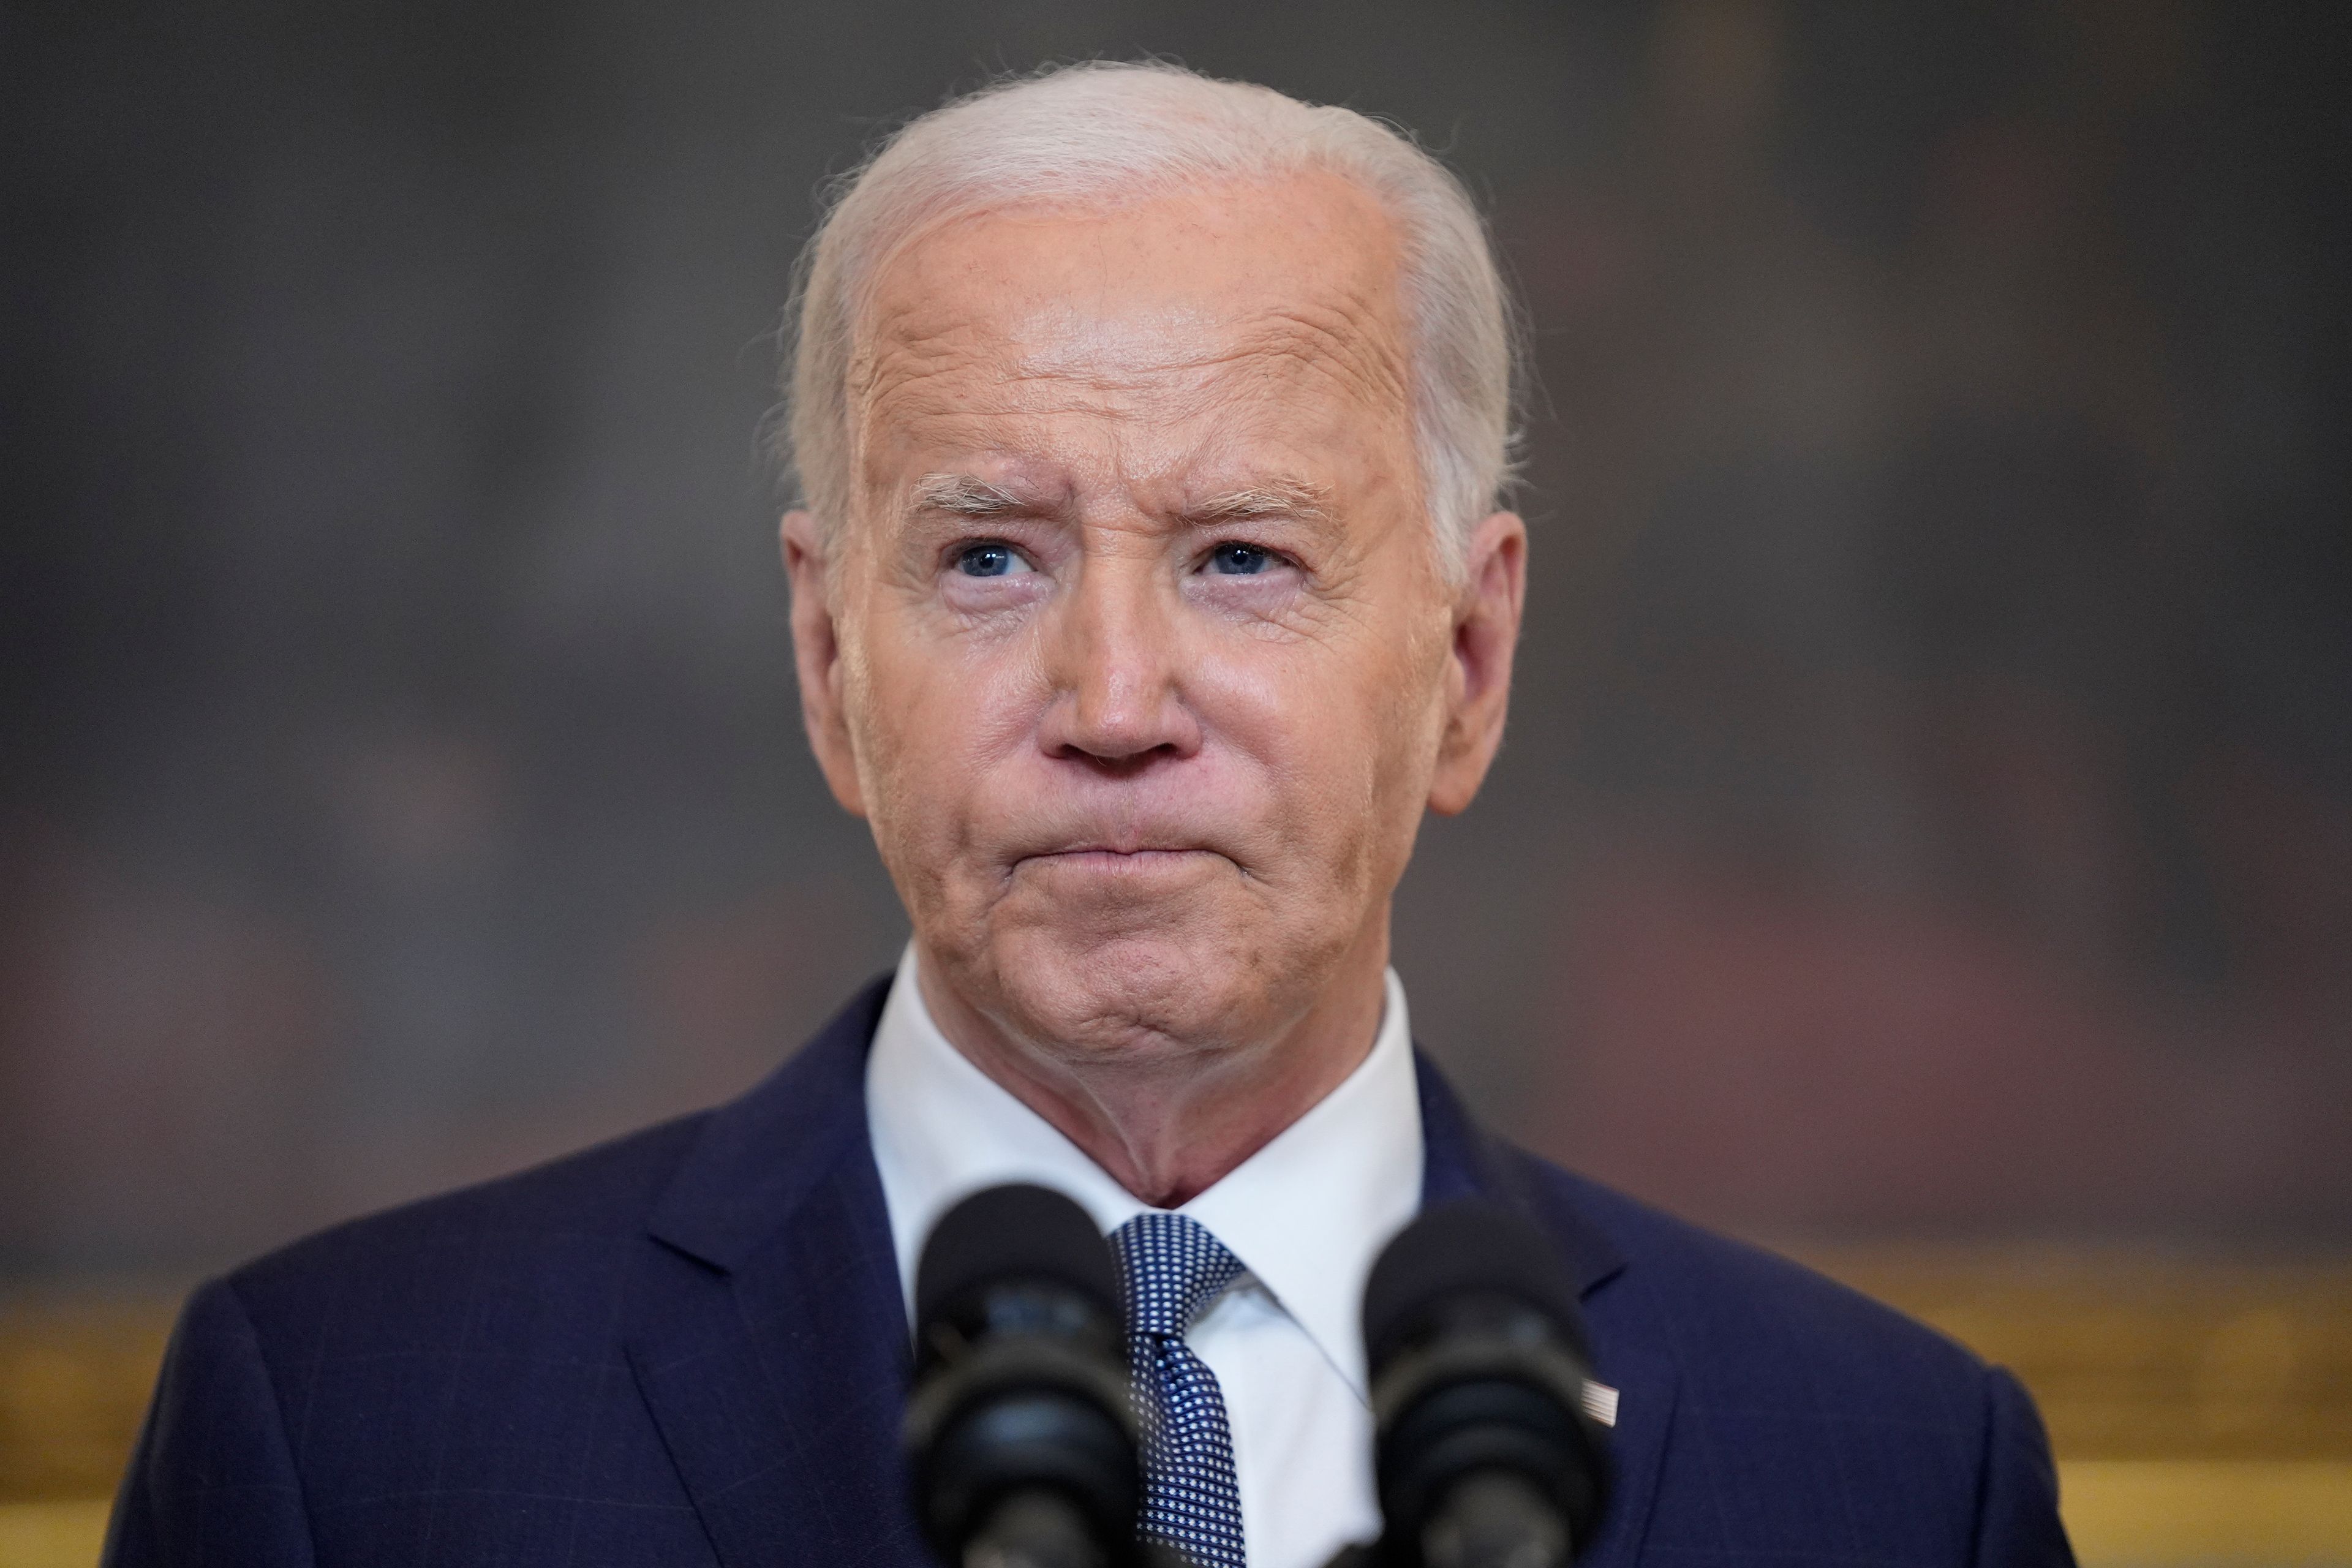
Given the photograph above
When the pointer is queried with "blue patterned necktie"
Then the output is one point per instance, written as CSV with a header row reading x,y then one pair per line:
x,y
1172,1268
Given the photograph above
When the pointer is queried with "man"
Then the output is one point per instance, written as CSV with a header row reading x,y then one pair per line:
x,y
1150,586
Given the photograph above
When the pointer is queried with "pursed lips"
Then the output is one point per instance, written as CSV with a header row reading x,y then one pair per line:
x,y
1113,854
1114,842
1113,858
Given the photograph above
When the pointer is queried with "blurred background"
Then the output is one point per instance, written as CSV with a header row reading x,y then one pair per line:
x,y
1925,836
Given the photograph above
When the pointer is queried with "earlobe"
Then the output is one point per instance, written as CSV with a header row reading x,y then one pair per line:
x,y
1478,683
817,657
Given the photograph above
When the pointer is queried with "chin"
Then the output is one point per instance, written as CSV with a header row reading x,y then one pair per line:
x,y
1134,993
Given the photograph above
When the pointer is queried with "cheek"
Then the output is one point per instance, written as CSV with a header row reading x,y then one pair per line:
x,y
1415,713
1344,734
931,718
1403,696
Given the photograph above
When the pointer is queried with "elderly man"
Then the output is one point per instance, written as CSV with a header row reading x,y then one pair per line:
x,y
1150,586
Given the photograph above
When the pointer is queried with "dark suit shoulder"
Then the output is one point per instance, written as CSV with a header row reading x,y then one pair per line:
x,y
1753,1317
449,1381
1809,1422
539,1263
563,1227
464,1379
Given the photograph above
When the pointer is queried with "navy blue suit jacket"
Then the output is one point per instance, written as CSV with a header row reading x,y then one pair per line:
x,y
689,1347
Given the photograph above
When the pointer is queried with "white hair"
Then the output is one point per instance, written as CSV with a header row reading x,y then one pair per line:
x,y
1111,134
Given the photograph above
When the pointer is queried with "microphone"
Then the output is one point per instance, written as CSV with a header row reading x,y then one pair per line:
x,y
1485,1456
1020,1431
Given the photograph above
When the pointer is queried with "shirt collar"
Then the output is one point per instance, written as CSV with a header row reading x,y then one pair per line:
x,y
1305,1215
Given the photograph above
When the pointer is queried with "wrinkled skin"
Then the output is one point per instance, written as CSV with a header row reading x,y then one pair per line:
x,y
1136,654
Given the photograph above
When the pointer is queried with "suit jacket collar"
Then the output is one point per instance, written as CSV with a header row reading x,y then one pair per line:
x,y
766,1330
767,1333
759,1155
1462,1160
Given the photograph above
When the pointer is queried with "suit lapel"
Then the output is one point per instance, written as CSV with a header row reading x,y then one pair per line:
x,y
770,1337
1462,1161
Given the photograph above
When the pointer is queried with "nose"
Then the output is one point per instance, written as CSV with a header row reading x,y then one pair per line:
x,y
1114,655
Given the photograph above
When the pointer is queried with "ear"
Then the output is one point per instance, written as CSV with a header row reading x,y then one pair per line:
x,y
816,657
1478,681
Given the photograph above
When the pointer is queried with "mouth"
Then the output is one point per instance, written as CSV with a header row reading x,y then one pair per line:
x,y
1105,860
1111,858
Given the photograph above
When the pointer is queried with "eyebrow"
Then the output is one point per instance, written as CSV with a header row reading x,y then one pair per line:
x,y
1274,497
963,495
960,495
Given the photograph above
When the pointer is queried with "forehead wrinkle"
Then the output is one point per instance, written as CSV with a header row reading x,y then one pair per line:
x,y
900,369
1344,332
935,369
1344,343
907,352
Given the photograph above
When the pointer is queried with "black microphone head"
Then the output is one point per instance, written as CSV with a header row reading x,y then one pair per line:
x,y
1016,1233
1480,1369
1020,1419
1465,1250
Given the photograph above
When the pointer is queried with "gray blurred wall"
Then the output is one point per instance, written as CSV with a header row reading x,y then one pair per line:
x,y
1927,807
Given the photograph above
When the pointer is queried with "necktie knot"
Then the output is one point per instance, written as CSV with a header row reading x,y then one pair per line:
x,y
1171,1267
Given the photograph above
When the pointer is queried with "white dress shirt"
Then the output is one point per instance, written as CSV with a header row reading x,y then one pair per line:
x,y
1307,1214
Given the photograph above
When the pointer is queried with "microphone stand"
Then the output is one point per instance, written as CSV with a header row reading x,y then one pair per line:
x,y
1033,1528
1037,1527
1491,1518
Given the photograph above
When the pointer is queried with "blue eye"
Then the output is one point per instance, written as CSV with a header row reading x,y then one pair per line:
x,y
989,560
1240,560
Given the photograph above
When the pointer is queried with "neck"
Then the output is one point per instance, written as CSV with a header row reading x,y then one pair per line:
x,y
1170,1119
